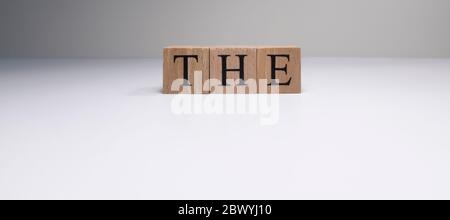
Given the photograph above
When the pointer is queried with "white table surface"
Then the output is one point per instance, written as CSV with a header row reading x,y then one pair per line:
x,y
100,129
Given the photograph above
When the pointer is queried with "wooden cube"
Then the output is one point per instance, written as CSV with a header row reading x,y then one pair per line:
x,y
280,67
233,69
186,69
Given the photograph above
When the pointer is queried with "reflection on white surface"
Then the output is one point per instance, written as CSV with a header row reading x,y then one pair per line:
x,y
362,129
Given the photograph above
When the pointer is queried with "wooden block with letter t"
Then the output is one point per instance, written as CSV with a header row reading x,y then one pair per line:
x,y
281,67
186,69
233,69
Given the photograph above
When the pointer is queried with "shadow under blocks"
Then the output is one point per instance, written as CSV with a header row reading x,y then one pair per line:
x,y
232,69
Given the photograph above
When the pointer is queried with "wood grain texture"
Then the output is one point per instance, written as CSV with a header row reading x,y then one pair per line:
x,y
233,62
287,63
174,68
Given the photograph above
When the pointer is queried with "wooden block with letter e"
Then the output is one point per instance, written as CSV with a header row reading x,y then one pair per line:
x,y
233,69
281,66
186,69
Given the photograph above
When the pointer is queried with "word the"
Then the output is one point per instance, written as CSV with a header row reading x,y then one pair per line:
x,y
276,66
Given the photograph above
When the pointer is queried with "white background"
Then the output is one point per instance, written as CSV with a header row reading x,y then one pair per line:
x,y
101,129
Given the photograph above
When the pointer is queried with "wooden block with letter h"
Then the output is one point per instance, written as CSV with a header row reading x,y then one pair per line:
x,y
232,69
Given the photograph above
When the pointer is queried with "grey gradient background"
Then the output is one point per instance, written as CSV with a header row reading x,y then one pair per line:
x,y
140,28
